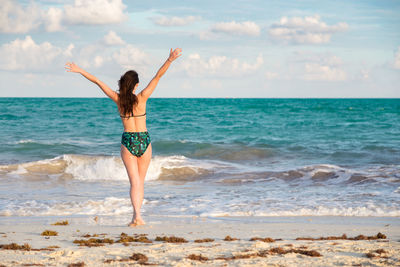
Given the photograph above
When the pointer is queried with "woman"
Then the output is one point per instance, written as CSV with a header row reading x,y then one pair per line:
x,y
135,144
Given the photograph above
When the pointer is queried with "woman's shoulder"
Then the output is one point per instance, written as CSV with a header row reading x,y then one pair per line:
x,y
141,100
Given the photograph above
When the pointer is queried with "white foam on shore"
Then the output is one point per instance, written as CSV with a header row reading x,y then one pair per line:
x,y
370,210
107,206
122,206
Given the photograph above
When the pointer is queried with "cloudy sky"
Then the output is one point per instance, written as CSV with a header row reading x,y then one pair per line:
x,y
235,48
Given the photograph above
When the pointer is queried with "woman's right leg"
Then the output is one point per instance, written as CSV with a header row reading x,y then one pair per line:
x,y
144,162
137,185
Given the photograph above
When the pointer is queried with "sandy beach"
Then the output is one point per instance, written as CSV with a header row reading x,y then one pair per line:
x,y
264,241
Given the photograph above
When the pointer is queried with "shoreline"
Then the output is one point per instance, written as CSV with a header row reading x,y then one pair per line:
x,y
284,230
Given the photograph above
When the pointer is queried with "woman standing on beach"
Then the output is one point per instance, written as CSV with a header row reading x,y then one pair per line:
x,y
135,144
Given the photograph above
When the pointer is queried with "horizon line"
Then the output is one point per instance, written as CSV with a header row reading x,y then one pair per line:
x,y
86,97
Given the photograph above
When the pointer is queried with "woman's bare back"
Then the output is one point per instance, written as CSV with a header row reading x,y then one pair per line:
x,y
136,123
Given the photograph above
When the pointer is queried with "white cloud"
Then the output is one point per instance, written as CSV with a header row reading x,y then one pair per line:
x,y
53,18
321,72
175,21
397,59
15,18
207,35
311,66
98,61
196,66
324,67
130,57
237,28
27,55
364,75
91,55
271,75
113,39
307,30
95,12
68,51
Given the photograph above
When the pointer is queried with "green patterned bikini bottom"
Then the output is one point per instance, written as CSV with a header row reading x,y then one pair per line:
x,y
136,142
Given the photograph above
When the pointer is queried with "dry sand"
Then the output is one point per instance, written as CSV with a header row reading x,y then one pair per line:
x,y
241,252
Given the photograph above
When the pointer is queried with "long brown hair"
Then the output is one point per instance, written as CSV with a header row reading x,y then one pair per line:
x,y
127,99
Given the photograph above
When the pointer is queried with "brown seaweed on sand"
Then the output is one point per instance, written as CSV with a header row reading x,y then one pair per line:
x,y
26,247
78,264
93,242
138,257
373,254
124,238
171,239
204,240
53,247
280,250
237,257
32,264
88,235
229,238
61,223
195,257
15,246
49,233
267,239
272,251
344,237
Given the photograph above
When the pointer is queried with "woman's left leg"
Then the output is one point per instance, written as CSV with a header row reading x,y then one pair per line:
x,y
143,163
136,188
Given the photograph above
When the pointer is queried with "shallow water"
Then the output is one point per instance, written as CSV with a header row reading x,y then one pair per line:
x,y
211,157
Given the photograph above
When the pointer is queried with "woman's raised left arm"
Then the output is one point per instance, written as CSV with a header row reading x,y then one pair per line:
x,y
173,54
72,67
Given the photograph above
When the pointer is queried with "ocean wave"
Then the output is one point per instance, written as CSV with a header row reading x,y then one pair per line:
x,y
66,142
181,168
24,141
320,174
93,168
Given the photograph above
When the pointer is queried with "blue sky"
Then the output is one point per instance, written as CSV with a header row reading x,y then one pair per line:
x,y
230,48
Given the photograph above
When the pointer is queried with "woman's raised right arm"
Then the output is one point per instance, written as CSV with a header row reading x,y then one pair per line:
x,y
72,67
173,54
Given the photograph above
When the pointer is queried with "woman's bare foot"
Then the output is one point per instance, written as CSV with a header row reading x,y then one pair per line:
x,y
136,222
139,221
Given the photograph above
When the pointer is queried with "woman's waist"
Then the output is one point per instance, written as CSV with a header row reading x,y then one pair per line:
x,y
135,128
135,131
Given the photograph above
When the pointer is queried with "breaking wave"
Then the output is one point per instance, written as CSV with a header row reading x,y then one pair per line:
x,y
181,168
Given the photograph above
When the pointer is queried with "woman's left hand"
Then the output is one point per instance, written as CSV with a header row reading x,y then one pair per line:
x,y
174,54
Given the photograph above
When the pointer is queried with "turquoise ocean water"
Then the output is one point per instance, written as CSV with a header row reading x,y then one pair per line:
x,y
211,157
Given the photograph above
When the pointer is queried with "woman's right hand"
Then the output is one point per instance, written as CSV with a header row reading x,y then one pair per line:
x,y
174,54
72,67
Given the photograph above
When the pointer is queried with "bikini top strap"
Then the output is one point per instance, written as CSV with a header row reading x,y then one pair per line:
x,y
132,116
